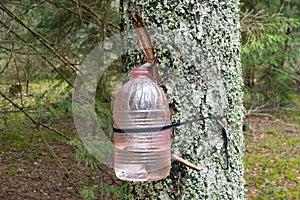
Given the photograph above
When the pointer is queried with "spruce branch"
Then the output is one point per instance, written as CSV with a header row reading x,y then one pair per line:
x,y
42,39
35,50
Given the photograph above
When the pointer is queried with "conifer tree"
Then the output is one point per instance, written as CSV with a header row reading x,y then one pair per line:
x,y
205,57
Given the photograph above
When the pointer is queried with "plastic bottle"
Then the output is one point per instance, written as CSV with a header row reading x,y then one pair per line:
x,y
141,156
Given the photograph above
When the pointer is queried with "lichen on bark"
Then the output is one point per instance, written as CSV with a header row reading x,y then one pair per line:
x,y
203,53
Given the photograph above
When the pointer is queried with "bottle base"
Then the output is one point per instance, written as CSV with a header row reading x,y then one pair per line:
x,y
138,173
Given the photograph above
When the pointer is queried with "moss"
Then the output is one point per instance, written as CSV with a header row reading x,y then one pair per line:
x,y
14,171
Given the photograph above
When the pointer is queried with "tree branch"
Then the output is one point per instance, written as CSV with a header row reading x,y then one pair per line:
x,y
33,120
185,162
7,64
85,19
34,48
58,161
42,39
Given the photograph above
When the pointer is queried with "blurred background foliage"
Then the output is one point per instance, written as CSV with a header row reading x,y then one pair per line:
x,y
43,42
47,40
270,53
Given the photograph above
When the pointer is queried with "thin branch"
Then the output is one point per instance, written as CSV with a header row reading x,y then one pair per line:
x,y
185,162
87,8
276,69
17,3
42,53
83,18
285,73
67,173
29,53
282,6
271,116
33,120
7,64
257,113
34,48
42,39
19,80
258,107
105,171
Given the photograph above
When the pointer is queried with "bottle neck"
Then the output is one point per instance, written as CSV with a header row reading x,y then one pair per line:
x,y
141,71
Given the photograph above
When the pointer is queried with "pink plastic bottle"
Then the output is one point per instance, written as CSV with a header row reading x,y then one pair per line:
x,y
141,156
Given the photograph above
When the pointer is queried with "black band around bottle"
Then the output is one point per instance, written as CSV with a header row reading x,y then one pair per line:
x,y
171,126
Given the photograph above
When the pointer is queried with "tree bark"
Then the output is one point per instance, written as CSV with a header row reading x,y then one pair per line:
x,y
203,51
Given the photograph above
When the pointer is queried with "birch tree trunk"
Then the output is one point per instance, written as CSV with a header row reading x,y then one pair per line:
x,y
204,53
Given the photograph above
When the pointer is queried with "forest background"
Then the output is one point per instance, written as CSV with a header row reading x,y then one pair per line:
x,y
43,43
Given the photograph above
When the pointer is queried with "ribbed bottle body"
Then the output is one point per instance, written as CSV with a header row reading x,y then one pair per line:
x,y
141,156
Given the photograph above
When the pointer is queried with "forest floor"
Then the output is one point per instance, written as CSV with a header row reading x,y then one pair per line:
x,y
29,171
272,156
